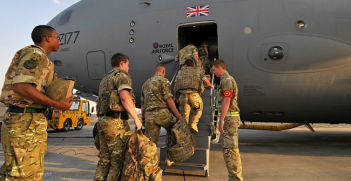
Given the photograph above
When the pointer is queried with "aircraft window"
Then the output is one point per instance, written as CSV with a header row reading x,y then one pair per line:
x,y
131,40
64,18
132,23
247,30
276,53
131,32
301,24
58,62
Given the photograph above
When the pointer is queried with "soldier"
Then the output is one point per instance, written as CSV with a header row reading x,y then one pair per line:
x,y
24,124
189,83
203,54
229,120
115,101
156,100
188,52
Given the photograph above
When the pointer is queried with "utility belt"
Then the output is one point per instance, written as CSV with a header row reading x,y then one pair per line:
x,y
156,109
231,114
16,109
122,115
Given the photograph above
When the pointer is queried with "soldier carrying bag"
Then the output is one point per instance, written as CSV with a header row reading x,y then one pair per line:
x,y
141,161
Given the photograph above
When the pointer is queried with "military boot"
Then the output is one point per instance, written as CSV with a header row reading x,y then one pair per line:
x,y
169,162
193,127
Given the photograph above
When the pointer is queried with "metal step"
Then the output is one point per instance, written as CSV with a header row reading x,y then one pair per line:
x,y
205,119
195,162
185,166
200,156
200,160
204,129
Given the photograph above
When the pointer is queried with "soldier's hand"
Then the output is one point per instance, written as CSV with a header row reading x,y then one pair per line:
x,y
220,128
178,117
212,86
138,124
65,104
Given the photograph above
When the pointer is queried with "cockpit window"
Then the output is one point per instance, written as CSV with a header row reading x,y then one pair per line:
x,y
75,106
64,18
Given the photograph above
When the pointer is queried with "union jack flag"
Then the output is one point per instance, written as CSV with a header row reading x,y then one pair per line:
x,y
196,11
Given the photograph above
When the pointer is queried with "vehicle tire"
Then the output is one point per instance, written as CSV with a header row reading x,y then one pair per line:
x,y
96,137
0,129
95,130
80,125
66,125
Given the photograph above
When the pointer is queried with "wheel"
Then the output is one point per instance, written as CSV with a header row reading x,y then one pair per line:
x,y
66,125
0,129
80,125
95,130
96,137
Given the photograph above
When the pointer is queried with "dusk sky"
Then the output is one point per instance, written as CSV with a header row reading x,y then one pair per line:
x,y
18,18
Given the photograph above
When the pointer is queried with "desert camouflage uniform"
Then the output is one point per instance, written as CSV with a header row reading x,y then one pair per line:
x,y
186,53
113,127
230,137
23,135
190,98
154,94
204,58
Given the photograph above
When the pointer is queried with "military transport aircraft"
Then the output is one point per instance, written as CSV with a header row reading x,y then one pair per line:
x,y
291,58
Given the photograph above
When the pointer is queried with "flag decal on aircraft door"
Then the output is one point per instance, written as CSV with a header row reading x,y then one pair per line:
x,y
196,11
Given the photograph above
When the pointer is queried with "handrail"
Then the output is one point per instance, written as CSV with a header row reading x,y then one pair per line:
x,y
175,75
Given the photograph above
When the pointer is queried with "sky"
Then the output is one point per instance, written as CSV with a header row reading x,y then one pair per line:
x,y
17,20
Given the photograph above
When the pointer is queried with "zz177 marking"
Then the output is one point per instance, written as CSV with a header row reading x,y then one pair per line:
x,y
65,38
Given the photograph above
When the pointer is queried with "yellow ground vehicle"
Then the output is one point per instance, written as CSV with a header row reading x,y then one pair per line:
x,y
77,116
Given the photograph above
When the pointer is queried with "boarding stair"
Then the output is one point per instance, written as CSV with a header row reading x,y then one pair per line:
x,y
200,160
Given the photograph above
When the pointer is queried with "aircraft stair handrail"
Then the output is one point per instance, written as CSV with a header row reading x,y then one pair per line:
x,y
215,116
175,75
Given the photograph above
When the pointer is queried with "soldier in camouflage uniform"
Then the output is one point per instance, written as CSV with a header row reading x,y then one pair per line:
x,y
189,84
156,100
188,52
23,132
114,103
229,120
203,54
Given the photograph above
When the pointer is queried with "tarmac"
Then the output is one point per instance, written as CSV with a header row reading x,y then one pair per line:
x,y
292,155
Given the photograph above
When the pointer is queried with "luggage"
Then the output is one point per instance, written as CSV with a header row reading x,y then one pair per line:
x,y
141,161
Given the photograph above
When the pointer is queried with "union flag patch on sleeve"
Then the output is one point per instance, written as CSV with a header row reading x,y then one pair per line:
x,y
227,93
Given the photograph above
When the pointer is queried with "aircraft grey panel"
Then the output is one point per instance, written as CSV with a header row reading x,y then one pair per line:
x,y
290,58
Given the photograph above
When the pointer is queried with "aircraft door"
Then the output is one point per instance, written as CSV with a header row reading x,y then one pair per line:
x,y
96,64
199,34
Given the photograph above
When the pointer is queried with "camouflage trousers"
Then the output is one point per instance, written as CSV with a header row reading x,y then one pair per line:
x,y
206,63
231,148
23,138
113,136
188,101
154,120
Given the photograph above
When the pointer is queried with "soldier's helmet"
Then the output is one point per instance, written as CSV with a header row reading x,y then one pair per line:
x,y
60,89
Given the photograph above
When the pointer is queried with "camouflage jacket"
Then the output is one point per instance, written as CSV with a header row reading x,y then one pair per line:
x,y
155,92
29,65
186,53
117,80
228,83
202,51
189,80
